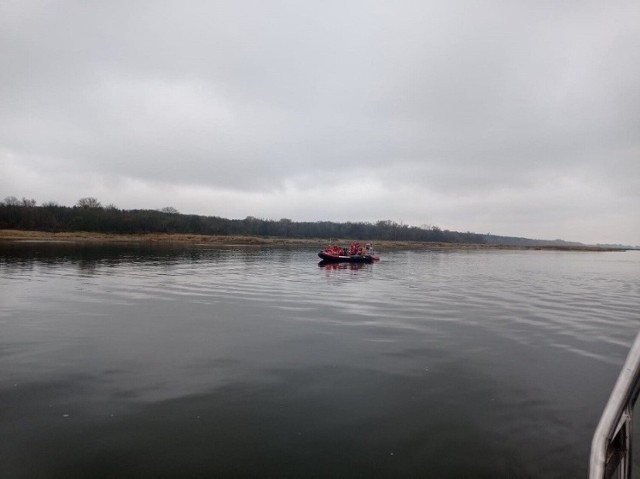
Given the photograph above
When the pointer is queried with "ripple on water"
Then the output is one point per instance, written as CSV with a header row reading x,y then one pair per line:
x,y
506,352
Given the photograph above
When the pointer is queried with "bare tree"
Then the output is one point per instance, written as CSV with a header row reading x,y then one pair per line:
x,y
88,202
170,210
28,202
11,201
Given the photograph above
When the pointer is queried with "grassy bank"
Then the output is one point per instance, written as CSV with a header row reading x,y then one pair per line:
x,y
162,238
88,237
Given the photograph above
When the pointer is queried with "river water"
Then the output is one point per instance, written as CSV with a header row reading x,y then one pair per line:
x,y
194,361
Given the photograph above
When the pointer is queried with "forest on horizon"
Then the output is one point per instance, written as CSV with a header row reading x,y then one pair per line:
x,y
88,214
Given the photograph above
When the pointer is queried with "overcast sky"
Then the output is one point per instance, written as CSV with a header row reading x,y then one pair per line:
x,y
517,118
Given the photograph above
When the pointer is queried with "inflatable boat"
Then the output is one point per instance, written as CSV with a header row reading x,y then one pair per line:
x,y
355,254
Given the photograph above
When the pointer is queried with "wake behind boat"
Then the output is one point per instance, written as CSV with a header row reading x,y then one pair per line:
x,y
354,254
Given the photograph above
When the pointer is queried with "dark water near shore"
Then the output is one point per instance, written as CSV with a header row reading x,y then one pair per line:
x,y
128,362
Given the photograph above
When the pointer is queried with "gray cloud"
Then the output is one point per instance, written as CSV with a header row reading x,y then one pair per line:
x,y
477,112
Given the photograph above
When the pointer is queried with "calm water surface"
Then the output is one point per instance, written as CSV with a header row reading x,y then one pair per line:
x,y
129,362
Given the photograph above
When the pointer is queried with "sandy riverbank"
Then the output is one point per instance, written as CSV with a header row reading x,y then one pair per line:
x,y
163,238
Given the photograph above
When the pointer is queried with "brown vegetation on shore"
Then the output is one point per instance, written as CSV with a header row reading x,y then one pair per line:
x,y
176,238
85,236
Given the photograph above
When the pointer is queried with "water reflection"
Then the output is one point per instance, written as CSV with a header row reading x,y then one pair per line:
x,y
90,257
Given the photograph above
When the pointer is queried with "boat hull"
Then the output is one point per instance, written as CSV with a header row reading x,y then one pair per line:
x,y
332,258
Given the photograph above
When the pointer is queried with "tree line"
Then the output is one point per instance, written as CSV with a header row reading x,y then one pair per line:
x,y
89,215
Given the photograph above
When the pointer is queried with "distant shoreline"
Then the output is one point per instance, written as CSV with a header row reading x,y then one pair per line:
x,y
178,238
